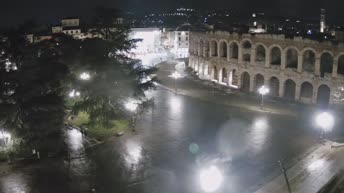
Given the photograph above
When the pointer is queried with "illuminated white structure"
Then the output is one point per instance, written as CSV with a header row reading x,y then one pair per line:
x,y
181,44
151,40
322,20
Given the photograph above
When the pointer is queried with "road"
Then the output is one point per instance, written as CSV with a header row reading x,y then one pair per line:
x,y
175,139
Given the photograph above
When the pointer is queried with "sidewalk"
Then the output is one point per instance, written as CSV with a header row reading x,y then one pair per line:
x,y
311,173
192,86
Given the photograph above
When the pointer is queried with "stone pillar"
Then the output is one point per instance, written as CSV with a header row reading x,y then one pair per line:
x,y
210,50
297,92
299,63
283,60
239,54
334,69
252,84
267,58
315,94
281,89
219,75
228,52
331,97
317,66
253,55
218,50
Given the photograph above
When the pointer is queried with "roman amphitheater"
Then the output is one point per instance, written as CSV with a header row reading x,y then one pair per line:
x,y
298,69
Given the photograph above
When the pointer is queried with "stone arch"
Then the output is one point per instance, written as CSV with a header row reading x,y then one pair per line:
x,y
326,63
260,53
246,58
223,49
206,48
291,57
289,89
258,81
233,78
340,69
306,90
308,62
323,95
246,44
275,55
234,50
224,75
213,45
274,86
245,81
201,47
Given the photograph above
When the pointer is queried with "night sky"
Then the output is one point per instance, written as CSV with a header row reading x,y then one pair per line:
x,y
13,12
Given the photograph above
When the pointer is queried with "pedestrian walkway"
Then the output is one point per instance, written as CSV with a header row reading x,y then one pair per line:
x,y
311,173
191,85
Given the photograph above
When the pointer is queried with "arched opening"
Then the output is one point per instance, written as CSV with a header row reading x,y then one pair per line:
x,y
291,58
206,49
275,56
306,92
341,65
323,98
274,86
213,48
246,58
260,54
234,50
223,49
201,47
246,45
215,74
289,89
233,78
308,62
245,81
259,81
224,76
326,64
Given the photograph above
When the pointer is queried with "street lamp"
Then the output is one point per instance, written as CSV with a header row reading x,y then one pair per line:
x,y
263,90
74,93
211,179
175,75
85,76
131,106
325,122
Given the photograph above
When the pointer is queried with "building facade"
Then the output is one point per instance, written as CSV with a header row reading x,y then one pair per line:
x,y
297,69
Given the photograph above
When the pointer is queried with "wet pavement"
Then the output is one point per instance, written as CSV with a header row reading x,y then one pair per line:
x,y
175,139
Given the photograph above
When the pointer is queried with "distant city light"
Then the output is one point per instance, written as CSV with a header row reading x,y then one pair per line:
x,y
211,179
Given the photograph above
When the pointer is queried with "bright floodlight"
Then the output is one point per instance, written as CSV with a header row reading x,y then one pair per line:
x,y
131,106
263,90
211,179
325,121
85,76
176,75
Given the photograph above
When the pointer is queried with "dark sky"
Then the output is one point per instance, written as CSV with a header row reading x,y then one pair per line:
x,y
13,12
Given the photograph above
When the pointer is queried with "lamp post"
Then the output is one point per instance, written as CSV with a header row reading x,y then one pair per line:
x,y
85,76
263,90
325,122
175,75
